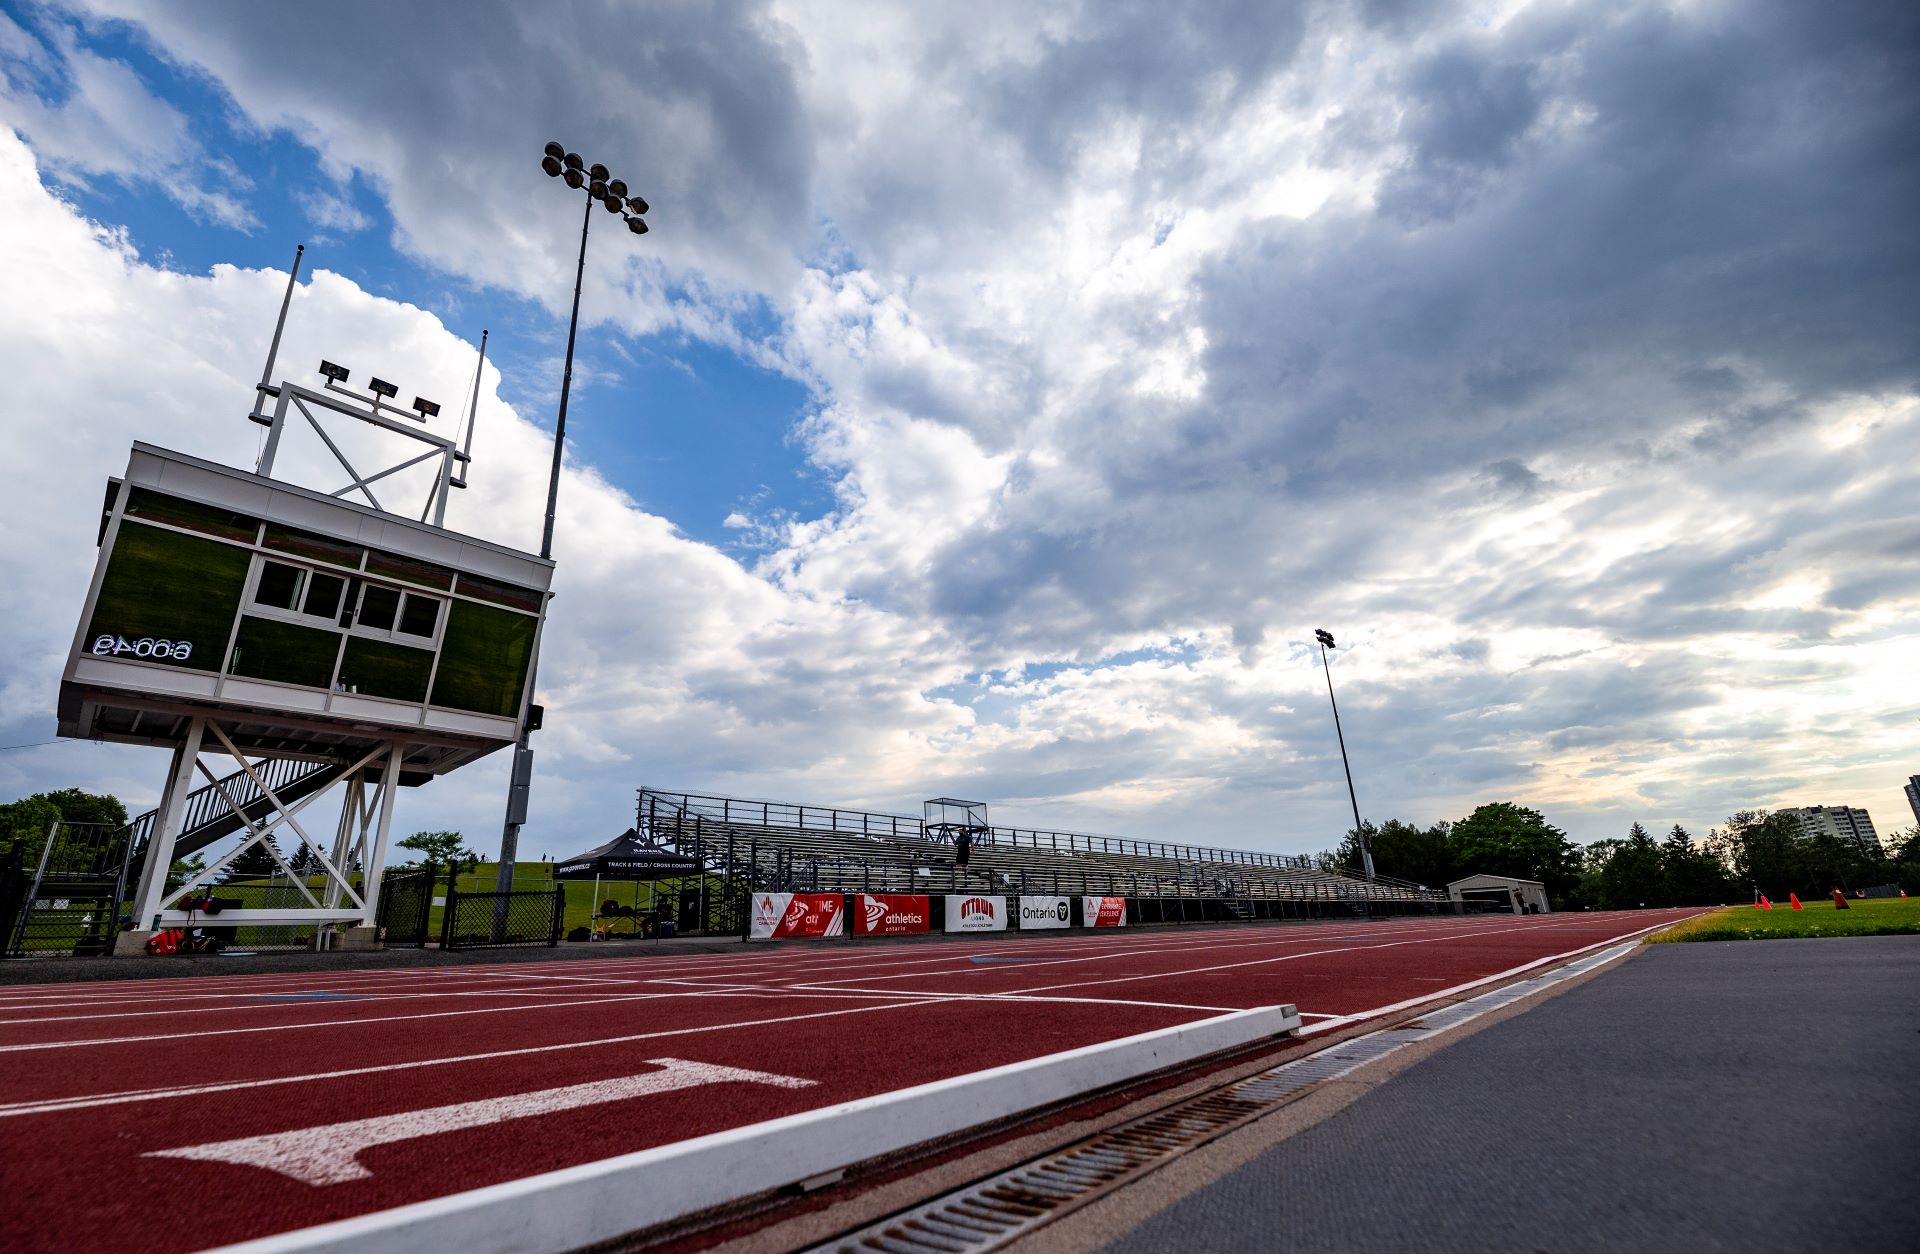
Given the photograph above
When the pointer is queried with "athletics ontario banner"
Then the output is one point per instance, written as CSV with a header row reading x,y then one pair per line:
x,y
779,915
1103,911
1036,912
976,914
890,914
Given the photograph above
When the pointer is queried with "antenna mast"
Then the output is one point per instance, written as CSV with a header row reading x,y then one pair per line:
x,y
465,455
266,388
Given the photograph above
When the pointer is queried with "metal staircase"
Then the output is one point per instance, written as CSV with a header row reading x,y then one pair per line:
x,y
72,903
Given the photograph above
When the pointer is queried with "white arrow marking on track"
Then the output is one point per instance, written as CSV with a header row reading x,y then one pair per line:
x,y
329,1153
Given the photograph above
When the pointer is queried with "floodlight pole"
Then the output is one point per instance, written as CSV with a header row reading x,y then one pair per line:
x,y
611,193
1360,832
522,777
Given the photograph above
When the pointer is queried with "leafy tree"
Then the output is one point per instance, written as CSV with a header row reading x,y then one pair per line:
x,y
1633,876
1903,858
1502,838
1694,877
24,825
441,847
253,864
1402,850
78,806
182,870
304,862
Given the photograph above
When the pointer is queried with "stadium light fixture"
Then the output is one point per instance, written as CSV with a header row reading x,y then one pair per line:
x,y
611,194
425,408
1325,640
380,387
333,373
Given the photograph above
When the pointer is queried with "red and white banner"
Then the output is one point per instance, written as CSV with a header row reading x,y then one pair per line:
x,y
1038,912
1103,911
778,915
976,914
890,914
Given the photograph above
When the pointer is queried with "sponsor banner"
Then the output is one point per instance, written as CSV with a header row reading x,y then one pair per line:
x,y
890,914
1045,912
778,915
968,913
1103,911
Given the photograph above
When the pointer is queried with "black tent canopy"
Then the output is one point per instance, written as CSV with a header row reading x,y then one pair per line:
x,y
627,857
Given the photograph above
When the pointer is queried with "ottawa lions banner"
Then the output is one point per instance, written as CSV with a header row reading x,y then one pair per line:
x,y
890,914
779,915
966,913
1036,912
1103,911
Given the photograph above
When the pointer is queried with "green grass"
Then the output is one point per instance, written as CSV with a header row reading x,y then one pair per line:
x,y
1880,916
531,876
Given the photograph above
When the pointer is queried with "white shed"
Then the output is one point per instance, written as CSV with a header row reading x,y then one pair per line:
x,y
1522,896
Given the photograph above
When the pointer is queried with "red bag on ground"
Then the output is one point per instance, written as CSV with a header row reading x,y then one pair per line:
x,y
166,942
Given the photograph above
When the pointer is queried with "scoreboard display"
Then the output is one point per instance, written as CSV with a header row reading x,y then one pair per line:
x,y
213,583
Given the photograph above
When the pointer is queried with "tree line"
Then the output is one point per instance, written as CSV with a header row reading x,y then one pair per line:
x,y
1753,852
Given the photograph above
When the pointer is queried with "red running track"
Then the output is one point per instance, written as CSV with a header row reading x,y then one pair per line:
x,y
459,1077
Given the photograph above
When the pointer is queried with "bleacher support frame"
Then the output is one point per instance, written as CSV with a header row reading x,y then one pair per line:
x,y
774,846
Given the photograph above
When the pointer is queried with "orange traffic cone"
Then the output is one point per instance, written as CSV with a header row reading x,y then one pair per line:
x,y
1795,899
1903,894
1840,900
1764,903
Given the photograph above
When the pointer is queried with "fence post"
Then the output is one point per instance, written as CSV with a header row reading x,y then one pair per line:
x,y
449,910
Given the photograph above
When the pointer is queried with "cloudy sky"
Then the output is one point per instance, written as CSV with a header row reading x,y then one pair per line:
x,y
1006,392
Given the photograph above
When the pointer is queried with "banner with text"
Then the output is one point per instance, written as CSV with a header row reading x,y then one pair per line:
x,y
1038,912
976,914
1103,911
779,915
890,914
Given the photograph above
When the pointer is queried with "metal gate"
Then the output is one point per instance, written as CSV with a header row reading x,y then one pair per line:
x,y
70,902
494,920
406,906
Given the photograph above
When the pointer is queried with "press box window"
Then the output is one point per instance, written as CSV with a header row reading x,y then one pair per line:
x,y
279,586
378,608
419,616
397,613
308,592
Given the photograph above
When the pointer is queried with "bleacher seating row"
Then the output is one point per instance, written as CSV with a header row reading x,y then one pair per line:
x,y
781,846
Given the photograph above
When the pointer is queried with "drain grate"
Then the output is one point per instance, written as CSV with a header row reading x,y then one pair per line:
x,y
993,1212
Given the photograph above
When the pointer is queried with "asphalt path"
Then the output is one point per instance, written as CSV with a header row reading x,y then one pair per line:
x,y
1714,1096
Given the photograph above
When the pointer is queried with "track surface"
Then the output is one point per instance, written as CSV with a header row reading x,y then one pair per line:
x,y
118,1101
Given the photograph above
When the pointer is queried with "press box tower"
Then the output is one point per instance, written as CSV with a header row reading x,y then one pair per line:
x,y
234,613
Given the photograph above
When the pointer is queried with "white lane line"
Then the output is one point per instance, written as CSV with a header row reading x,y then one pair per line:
x,y
825,986
893,1001
28,1047
54,1105
1343,1020
329,1154
583,1206
594,1000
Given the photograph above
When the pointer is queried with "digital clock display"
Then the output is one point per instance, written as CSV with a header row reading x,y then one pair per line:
x,y
144,646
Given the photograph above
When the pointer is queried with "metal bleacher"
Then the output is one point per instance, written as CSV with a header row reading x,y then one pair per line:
x,y
785,846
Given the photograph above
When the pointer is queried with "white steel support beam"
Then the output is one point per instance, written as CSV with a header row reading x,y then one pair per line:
x,y
166,827
377,856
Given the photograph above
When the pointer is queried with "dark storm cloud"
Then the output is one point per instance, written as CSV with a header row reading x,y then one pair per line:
x,y
446,106
1137,59
1714,190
